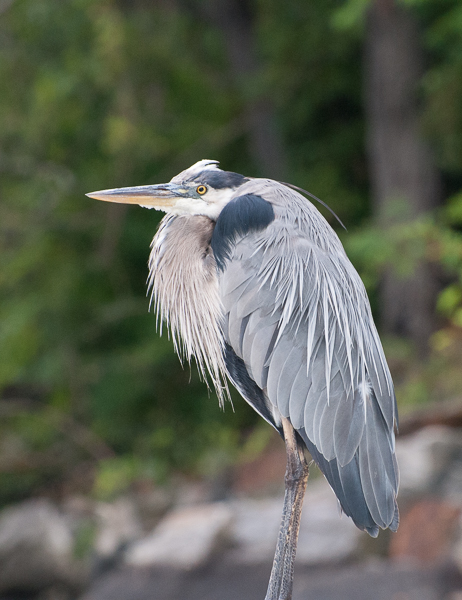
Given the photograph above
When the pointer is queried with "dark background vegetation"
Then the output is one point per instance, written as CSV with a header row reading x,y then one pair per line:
x,y
357,101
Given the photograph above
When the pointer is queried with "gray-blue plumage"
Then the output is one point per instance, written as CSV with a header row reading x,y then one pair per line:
x,y
298,316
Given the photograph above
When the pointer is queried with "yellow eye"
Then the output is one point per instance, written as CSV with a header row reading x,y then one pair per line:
x,y
201,189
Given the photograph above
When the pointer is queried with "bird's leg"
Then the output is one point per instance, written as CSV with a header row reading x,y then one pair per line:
x,y
282,573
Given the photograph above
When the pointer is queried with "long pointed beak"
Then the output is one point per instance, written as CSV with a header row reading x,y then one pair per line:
x,y
161,196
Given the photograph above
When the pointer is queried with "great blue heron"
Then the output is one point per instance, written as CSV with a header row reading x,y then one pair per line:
x,y
256,286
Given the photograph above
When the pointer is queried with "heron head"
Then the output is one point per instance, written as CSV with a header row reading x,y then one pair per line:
x,y
203,189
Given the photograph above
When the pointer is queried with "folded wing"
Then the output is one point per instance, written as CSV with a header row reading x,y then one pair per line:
x,y
297,321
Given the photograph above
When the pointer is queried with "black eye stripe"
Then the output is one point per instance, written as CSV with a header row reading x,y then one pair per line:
x,y
218,180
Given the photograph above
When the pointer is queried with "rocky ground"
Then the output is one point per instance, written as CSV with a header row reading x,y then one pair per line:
x,y
171,547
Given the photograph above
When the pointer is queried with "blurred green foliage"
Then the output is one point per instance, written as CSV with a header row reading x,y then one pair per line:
x,y
400,246
99,93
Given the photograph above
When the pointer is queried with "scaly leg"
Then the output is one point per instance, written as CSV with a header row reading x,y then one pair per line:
x,y
296,478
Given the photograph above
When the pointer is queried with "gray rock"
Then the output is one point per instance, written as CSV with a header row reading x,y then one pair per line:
x,y
424,460
325,535
255,528
184,539
35,548
117,524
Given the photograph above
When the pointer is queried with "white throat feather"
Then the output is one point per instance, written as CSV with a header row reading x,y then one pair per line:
x,y
184,289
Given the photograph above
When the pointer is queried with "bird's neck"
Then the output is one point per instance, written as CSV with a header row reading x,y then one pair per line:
x,y
184,286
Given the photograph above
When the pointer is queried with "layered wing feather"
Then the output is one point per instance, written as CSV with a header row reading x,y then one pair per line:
x,y
297,314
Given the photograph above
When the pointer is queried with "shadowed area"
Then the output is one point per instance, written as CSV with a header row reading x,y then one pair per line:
x,y
385,581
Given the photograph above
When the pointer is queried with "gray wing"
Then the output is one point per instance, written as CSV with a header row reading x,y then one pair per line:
x,y
298,319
